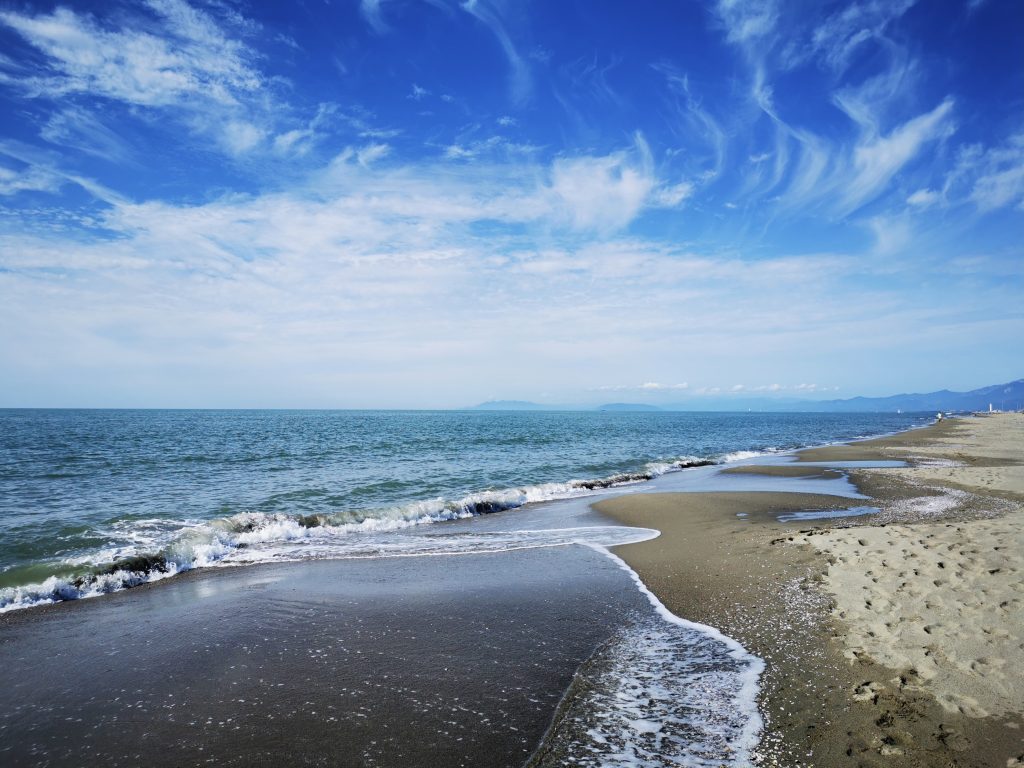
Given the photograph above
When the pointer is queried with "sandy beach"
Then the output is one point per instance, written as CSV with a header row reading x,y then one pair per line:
x,y
891,639
889,625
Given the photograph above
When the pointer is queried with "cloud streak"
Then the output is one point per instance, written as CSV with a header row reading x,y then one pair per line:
x,y
186,190
188,56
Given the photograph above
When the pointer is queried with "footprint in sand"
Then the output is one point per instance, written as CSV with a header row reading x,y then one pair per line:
x,y
867,691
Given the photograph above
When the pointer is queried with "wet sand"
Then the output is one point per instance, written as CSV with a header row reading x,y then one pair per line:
x,y
783,470
838,613
414,661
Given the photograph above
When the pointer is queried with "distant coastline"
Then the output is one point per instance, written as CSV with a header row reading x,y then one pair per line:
x,y
1000,397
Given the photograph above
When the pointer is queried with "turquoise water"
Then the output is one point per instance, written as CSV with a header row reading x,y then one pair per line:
x,y
96,500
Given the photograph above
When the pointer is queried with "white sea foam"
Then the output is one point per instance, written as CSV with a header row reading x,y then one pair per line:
x,y
56,589
666,691
728,458
172,546
284,540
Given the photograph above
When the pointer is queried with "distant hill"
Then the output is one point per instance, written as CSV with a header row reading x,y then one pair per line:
x,y
628,407
1004,397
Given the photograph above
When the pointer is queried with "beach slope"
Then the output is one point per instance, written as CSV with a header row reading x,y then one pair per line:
x,y
889,639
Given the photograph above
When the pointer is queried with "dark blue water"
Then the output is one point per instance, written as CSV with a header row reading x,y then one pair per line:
x,y
83,489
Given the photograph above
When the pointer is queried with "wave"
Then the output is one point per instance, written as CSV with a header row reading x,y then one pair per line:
x,y
728,458
155,549
320,543
663,691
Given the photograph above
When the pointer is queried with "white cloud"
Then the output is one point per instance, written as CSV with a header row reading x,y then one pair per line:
x,y
496,146
670,196
697,121
32,178
168,59
877,159
747,20
371,153
845,32
376,291
186,56
656,386
1000,181
810,168
79,129
239,137
292,141
519,71
372,13
924,198
893,234
604,193
647,386
999,189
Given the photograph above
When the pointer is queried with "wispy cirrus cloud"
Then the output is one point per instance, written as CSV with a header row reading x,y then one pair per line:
x,y
368,268
386,270
405,202
805,167
838,39
373,12
168,58
180,53
695,120
490,15
1000,176
84,131
30,178
745,21
877,159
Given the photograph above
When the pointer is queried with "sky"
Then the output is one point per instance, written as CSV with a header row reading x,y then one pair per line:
x,y
402,203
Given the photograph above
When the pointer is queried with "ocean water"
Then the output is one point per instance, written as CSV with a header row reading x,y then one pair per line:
x,y
92,501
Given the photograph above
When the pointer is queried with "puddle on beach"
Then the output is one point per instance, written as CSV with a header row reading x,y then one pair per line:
x,y
850,464
826,514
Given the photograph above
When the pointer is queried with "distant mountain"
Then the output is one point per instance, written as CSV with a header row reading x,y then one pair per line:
x,y
1003,397
628,407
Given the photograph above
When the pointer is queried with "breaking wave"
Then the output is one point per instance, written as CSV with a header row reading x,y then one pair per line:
x,y
143,551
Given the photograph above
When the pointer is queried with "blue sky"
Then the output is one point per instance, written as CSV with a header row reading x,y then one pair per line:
x,y
418,204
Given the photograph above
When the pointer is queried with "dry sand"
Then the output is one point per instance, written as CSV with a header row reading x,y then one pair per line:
x,y
891,640
944,600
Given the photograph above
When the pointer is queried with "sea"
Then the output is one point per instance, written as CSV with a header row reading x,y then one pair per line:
x,y
99,501
92,501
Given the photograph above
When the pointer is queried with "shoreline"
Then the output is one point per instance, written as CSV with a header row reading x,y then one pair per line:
x,y
165,562
789,593
330,662
752,578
